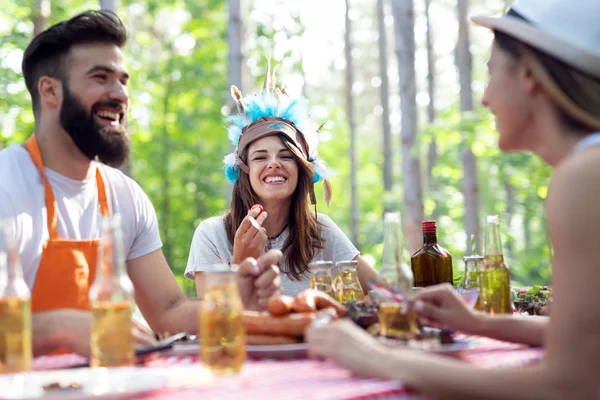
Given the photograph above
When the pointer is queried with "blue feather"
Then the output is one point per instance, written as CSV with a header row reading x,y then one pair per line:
x,y
232,173
316,177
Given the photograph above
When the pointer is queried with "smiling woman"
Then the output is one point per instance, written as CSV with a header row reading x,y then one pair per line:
x,y
276,165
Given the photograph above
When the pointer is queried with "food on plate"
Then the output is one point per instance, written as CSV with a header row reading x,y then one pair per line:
x,y
264,323
61,386
288,317
311,300
280,305
265,340
534,300
362,313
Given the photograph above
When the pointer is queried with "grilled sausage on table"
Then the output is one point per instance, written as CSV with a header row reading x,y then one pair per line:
x,y
311,300
288,325
280,305
265,340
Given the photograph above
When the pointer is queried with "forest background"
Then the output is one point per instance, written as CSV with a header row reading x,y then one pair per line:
x,y
397,83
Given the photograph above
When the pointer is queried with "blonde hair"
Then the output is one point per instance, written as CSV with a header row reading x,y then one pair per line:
x,y
576,93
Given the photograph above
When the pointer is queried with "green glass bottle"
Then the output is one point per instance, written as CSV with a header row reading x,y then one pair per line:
x,y
495,277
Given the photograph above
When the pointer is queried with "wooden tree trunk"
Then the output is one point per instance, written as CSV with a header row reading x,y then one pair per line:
x,y
41,14
430,65
236,41
165,206
403,11
111,5
470,178
464,59
388,160
432,153
510,211
352,125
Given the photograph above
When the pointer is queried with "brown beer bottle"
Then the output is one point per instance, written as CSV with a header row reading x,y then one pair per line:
x,y
432,264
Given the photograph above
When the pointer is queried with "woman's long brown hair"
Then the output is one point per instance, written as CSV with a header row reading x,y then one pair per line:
x,y
304,238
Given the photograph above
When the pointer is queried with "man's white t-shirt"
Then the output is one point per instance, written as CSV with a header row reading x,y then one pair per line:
x,y
211,248
23,205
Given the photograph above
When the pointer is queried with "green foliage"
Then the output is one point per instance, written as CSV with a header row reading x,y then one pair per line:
x,y
177,55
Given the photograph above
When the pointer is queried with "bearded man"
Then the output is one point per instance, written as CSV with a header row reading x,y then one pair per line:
x,y
56,188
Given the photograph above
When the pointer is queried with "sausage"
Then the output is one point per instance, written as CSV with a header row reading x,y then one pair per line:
x,y
289,325
280,305
263,340
311,300
260,209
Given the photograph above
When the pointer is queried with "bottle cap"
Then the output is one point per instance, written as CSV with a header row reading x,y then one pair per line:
x,y
429,227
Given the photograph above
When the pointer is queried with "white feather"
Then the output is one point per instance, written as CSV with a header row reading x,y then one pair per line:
x,y
321,168
231,159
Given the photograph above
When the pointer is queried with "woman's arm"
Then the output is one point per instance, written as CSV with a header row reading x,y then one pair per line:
x,y
570,369
364,272
441,307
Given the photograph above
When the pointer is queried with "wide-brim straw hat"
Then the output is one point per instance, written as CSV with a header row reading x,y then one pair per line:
x,y
568,30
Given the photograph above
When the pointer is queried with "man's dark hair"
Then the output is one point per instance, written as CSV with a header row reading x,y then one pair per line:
x,y
46,54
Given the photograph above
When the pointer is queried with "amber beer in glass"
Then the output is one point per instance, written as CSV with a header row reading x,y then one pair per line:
x,y
431,264
321,278
495,295
347,286
222,330
111,298
15,308
396,320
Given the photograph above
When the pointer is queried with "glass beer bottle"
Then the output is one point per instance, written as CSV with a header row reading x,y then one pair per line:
x,y
431,264
396,320
346,282
321,278
111,298
495,294
15,309
222,330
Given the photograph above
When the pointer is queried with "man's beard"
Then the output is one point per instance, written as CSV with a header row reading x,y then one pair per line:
x,y
110,144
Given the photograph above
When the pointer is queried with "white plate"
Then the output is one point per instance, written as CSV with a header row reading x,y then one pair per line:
x,y
281,351
95,383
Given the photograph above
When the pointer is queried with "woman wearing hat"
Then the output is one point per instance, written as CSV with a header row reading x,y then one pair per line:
x,y
544,90
273,169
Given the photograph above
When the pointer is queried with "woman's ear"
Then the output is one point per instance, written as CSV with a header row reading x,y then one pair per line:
x,y
50,91
528,79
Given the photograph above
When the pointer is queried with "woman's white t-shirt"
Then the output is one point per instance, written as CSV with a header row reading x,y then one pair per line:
x,y
211,247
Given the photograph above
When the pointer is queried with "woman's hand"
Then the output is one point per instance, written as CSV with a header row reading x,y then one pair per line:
x,y
259,279
250,238
441,307
349,346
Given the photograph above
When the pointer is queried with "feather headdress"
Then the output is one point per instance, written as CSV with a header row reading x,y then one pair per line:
x,y
269,113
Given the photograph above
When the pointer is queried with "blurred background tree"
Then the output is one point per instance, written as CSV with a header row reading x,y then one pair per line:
x,y
184,54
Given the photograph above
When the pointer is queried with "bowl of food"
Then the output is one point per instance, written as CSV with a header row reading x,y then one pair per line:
x,y
533,300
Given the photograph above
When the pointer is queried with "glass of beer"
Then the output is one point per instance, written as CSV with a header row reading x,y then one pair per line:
x,y
222,331
321,278
346,282
111,300
15,309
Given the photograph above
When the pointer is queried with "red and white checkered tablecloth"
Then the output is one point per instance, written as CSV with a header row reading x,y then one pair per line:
x,y
308,379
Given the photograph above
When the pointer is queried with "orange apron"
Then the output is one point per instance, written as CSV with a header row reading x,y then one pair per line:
x,y
67,267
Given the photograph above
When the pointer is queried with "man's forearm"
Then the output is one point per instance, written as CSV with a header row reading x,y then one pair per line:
x,y
181,317
49,332
527,330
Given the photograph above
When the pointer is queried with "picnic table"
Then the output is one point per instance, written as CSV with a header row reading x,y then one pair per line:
x,y
299,379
